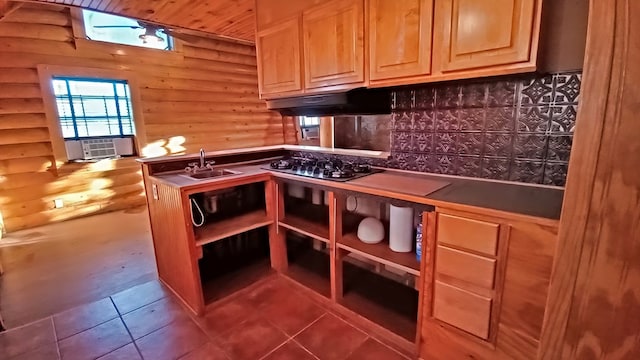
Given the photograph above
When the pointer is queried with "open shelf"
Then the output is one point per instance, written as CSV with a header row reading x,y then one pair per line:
x,y
233,263
306,227
215,231
304,209
383,301
381,253
308,266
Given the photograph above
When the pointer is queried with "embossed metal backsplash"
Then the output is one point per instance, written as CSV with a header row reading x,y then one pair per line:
x,y
518,129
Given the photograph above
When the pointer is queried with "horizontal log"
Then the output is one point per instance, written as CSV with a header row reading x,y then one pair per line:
x,y
24,136
22,121
156,118
39,16
72,202
36,31
69,199
19,151
213,107
222,128
37,46
208,64
20,91
181,72
93,208
46,5
201,53
215,44
99,168
21,106
133,55
66,185
18,76
236,144
198,85
26,165
188,95
15,181
199,138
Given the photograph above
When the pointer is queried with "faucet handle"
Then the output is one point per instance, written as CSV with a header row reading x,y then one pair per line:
x,y
193,164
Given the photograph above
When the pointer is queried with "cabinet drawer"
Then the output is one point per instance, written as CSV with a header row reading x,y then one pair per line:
x,y
470,234
474,269
462,309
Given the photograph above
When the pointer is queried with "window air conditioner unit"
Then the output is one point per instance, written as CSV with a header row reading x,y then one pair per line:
x,y
91,149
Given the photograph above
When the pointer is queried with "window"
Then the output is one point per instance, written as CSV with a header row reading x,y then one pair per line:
x,y
122,30
309,121
93,107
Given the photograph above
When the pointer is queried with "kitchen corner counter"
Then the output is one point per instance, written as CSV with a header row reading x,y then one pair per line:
x,y
538,204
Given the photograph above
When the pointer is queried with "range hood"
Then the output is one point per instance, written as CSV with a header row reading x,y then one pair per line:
x,y
359,101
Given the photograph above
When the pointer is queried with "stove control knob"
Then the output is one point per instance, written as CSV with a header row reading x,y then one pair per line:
x,y
316,171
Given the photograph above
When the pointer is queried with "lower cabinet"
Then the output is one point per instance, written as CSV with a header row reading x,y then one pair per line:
x,y
485,286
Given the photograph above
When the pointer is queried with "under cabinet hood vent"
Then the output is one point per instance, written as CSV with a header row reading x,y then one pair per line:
x,y
355,102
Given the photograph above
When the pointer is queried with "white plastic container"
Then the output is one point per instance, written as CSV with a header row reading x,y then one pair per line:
x,y
401,229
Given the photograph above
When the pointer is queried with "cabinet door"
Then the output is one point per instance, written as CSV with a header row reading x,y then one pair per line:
x,y
333,43
279,58
473,34
400,38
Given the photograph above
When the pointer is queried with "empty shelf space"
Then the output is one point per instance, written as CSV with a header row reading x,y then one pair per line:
x,y
222,229
308,265
306,227
233,263
381,253
383,301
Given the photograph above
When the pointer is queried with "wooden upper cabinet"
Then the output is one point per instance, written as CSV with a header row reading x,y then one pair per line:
x,y
472,34
333,37
279,57
400,38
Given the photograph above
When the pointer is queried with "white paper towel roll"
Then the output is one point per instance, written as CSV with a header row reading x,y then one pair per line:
x,y
401,229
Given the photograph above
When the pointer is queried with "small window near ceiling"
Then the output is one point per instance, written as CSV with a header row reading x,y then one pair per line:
x,y
96,117
309,121
122,30
310,127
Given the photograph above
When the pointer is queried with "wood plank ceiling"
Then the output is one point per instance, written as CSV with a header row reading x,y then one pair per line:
x,y
230,18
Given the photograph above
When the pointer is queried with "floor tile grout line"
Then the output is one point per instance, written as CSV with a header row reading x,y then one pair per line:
x,y
305,349
55,337
133,341
274,349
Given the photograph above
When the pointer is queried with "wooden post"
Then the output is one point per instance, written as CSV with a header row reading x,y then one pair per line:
x,y
592,307
336,206
326,132
274,198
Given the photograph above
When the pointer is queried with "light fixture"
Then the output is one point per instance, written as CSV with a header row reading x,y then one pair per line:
x,y
150,35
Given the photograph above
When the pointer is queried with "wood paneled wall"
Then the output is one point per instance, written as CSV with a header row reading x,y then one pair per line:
x,y
204,95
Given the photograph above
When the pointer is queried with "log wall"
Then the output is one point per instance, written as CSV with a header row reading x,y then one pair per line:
x,y
203,95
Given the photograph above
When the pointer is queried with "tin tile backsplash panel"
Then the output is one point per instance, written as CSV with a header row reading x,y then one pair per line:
x,y
517,129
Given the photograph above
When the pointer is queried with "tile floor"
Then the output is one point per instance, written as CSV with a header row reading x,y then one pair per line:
x,y
271,320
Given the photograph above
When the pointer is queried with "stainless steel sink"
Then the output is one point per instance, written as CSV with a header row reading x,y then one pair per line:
x,y
208,174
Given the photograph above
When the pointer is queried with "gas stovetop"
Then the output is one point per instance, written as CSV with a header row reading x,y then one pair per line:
x,y
335,170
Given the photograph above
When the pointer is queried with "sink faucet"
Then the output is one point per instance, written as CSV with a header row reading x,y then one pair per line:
x,y
204,165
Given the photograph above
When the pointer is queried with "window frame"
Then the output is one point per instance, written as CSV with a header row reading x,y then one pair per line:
x,y
113,82
169,44
47,72
82,42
